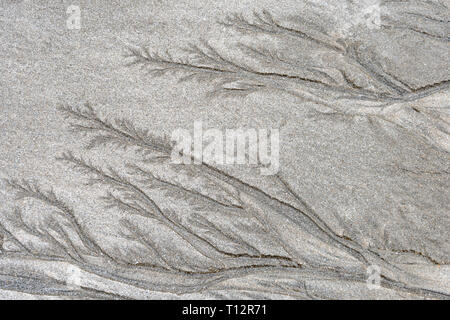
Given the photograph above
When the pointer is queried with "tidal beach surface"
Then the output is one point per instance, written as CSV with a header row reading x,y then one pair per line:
x,y
336,184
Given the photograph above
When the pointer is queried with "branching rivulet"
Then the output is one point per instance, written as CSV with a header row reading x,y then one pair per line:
x,y
331,72
218,250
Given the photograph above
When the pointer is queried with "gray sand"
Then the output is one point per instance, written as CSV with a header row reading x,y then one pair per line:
x,y
91,207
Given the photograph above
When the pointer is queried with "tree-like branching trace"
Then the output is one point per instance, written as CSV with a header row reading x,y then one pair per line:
x,y
221,252
351,74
